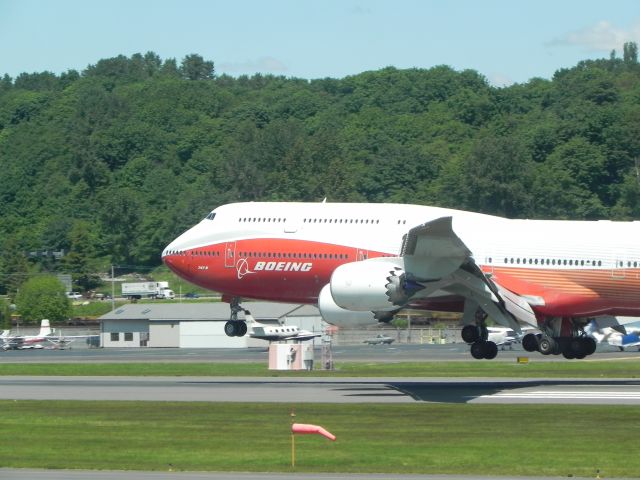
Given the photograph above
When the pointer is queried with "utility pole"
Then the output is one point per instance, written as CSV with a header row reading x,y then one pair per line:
x,y
113,290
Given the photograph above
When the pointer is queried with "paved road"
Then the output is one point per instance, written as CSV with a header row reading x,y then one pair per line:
x,y
322,390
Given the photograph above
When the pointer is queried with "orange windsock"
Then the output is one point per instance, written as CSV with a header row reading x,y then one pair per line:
x,y
304,428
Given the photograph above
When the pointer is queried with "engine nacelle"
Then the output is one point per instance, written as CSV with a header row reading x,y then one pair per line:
x,y
335,315
369,285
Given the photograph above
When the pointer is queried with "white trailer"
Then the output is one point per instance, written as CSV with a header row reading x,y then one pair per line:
x,y
139,290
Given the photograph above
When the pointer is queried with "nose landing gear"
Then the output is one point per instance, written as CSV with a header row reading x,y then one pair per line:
x,y
235,327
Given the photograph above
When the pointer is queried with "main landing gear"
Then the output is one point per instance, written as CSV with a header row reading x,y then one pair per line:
x,y
477,335
235,327
561,336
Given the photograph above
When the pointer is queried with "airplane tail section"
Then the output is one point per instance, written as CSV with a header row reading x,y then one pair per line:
x,y
45,328
5,333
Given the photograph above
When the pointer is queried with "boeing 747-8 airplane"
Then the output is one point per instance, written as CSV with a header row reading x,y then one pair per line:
x,y
362,263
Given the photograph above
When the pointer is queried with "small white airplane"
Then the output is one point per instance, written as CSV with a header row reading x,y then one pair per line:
x,y
22,342
46,336
274,333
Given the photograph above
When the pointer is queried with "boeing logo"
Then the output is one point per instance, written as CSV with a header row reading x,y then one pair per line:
x,y
242,267
283,266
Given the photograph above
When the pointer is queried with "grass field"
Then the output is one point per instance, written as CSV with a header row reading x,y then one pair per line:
x,y
422,438
563,369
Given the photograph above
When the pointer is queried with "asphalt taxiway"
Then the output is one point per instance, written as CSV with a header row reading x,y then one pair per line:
x,y
341,353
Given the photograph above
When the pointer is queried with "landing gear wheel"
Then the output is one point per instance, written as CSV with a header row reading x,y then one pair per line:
x,y
577,347
547,345
474,333
470,334
477,350
568,354
483,349
231,328
530,342
590,345
490,350
242,330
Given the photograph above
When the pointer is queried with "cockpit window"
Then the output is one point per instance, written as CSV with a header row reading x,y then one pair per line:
x,y
211,216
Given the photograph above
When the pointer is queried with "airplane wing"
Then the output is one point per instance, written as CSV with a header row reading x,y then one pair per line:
x,y
11,343
304,336
436,260
62,342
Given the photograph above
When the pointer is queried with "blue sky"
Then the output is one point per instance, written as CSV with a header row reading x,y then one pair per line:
x,y
507,41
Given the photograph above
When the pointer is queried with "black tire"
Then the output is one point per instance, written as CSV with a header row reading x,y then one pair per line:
x,y
568,354
470,334
242,331
577,347
478,350
230,329
589,347
530,342
547,345
490,350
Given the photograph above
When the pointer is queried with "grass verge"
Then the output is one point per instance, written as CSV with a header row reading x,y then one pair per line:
x,y
578,369
423,438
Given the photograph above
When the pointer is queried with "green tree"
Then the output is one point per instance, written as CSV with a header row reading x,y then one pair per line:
x,y
43,297
496,177
14,266
80,261
194,67
630,52
5,314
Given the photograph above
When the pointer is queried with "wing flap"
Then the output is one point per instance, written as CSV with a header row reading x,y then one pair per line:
x,y
436,257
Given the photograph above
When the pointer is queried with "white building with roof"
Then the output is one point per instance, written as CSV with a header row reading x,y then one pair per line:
x,y
197,324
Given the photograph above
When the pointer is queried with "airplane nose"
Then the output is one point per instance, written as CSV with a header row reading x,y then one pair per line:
x,y
176,260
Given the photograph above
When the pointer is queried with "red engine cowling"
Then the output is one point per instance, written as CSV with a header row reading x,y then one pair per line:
x,y
370,285
335,315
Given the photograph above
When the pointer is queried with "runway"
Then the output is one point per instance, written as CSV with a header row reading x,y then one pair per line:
x,y
322,390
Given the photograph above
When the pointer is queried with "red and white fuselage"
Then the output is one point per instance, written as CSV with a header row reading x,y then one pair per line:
x,y
287,252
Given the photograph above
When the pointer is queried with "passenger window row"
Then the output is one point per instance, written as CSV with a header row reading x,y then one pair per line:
x,y
550,261
329,256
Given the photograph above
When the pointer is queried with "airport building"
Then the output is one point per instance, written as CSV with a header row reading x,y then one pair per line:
x,y
197,324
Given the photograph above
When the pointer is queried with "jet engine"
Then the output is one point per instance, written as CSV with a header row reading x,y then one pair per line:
x,y
335,315
378,284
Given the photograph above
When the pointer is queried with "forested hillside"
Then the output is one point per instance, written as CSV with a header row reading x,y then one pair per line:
x,y
111,163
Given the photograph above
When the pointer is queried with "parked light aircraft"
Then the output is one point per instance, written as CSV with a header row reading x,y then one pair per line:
x,y
362,263
46,336
14,342
621,336
271,333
